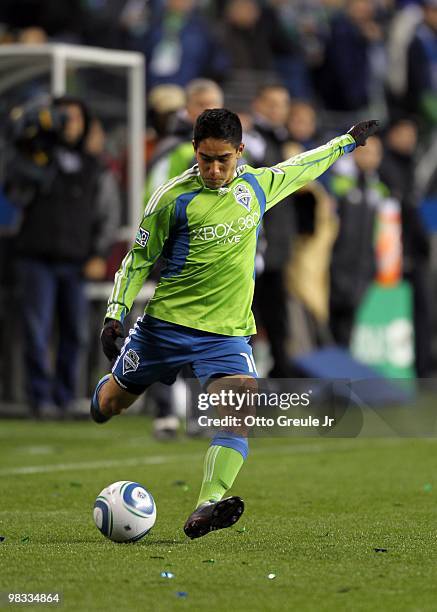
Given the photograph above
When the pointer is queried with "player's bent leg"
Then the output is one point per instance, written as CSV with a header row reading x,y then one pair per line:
x,y
109,399
223,461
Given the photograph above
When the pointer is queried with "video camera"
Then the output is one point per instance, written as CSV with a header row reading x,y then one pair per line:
x,y
35,130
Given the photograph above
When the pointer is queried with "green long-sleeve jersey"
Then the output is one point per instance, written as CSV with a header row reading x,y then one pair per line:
x,y
208,239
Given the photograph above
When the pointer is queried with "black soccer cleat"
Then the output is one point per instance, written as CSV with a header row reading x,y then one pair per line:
x,y
214,515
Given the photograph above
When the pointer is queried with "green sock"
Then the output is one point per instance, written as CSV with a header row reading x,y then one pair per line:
x,y
220,469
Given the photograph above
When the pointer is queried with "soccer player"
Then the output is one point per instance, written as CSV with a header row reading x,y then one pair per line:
x,y
205,223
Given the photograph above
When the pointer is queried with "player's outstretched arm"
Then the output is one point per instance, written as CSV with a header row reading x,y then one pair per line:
x,y
290,175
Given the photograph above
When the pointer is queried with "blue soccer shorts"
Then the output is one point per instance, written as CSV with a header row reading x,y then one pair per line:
x,y
156,350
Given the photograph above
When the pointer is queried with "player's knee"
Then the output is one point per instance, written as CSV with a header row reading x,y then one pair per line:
x,y
245,388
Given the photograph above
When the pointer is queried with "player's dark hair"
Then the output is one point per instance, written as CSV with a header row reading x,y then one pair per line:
x,y
219,123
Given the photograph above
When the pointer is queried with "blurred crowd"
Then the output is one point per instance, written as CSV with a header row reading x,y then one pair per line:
x,y
343,55
298,72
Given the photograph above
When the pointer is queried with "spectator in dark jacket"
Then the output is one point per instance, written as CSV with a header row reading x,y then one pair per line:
x,y
422,67
254,36
271,107
398,173
359,191
179,46
344,79
71,211
259,48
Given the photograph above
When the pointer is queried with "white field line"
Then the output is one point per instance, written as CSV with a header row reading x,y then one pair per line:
x,y
85,465
339,445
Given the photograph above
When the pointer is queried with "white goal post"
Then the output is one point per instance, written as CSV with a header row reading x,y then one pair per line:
x,y
57,58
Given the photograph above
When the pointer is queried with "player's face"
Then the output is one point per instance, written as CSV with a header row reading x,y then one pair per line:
x,y
217,161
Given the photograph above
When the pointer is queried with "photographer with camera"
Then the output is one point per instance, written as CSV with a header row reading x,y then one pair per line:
x,y
70,211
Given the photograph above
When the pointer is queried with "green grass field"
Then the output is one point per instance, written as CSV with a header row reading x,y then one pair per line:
x,y
316,510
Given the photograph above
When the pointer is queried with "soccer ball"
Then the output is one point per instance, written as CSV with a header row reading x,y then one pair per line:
x,y
124,511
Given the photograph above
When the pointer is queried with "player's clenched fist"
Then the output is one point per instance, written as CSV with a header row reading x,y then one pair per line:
x,y
363,130
112,330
